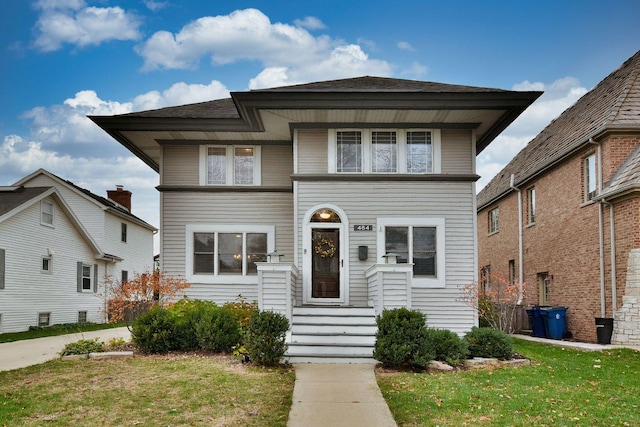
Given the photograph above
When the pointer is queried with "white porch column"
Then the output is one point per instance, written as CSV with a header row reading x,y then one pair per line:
x,y
389,286
276,287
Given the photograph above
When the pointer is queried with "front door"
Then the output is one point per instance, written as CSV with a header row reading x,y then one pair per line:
x,y
325,263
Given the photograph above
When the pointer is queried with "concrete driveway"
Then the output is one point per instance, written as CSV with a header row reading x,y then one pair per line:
x,y
20,354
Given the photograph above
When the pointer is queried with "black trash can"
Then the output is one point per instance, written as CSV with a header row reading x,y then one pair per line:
x,y
604,329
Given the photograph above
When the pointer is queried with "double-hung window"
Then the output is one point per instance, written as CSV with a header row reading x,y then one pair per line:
x,y
589,172
227,254
417,241
405,151
230,165
494,220
46,213
531,205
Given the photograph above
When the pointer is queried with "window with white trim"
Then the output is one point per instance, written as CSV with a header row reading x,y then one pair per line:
x,y
406,151
47,264
82,317
46,210
86,277
494,220
230,165
531,205
227,253
44,319
418,241
589,172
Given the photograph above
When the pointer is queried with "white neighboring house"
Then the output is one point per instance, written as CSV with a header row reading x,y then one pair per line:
x,y
58,241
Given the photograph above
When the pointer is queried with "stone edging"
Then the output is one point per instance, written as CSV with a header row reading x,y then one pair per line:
x,y
103,355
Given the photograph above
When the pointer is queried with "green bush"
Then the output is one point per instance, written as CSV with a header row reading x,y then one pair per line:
x,y
155,331
265,341
217,330
402,339
83,347
188,314
241,311
489,342
448,346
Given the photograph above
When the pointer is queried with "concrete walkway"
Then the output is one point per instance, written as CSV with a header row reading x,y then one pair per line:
x,y
586,346
20,354
338,395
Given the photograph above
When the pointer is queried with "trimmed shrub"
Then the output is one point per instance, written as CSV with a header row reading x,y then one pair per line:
x,y
188,314
265,341
241,310
489,342
402,339
83,347
448,346
217,330
155,331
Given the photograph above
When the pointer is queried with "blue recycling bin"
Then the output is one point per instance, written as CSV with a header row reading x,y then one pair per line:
x,y
556,321
537,322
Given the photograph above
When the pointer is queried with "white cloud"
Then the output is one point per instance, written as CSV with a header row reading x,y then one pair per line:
x,y
416,69
72,22
180,94
289,53
310,23
557,97
405,46
155,5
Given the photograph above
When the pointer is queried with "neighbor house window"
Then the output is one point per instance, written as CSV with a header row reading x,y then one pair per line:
x,y
82,317
87,277
123,232
349,151
46,264
544,288
46,209
227,253
589,168
384,151
512,271
230,165
494,220
44,319
124,276
531,205
418,241
485,279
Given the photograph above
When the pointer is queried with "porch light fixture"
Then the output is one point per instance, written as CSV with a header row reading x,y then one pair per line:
x,y
391,257
325,215
274,257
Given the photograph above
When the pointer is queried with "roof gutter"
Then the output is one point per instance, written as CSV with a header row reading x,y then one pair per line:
x,y
520,238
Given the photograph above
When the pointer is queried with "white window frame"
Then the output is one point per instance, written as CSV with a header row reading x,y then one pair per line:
x,y
531,205
590,177
367,150
49,270
216,278
494,220
439,223
43,213
230,157
48,317
90,289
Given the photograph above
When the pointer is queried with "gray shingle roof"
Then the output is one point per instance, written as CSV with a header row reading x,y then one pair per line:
x,y
10,200
613,103
218,109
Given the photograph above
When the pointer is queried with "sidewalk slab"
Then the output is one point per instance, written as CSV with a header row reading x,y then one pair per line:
x,y
338,395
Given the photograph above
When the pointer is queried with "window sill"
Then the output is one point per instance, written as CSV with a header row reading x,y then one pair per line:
x,y
492,233
531,224
587,203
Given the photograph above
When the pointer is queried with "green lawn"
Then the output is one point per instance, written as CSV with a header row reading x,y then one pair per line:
x,y
562,387
53,330
173,390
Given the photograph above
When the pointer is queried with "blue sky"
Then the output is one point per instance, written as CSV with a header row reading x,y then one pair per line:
x,y
64,59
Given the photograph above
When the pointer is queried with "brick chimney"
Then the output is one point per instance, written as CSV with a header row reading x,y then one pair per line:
x,y
120,196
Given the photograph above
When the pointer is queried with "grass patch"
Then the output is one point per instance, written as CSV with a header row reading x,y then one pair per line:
x,y
53,330
176,390
561,387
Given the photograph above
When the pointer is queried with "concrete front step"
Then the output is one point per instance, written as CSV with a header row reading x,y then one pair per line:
x,y
333,329
326,339
327,359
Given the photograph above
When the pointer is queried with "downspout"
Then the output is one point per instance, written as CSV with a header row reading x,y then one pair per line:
x,y
520,250
612,236
600,226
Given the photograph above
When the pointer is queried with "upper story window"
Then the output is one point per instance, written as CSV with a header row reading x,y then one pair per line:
x,y
227,253
494,220
531,205
229,165
47,264
589,173
384,151
46,211
123,232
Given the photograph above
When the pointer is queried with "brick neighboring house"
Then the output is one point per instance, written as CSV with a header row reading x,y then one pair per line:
x,y
564,215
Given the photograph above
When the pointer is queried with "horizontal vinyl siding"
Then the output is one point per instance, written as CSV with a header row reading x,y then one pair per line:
x,y
180,165
136,252
182,208
274,292
312,150
277,165
456,151
364,202
29,291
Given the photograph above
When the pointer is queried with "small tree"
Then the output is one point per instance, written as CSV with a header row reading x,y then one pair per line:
x,y
125,300
497,298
